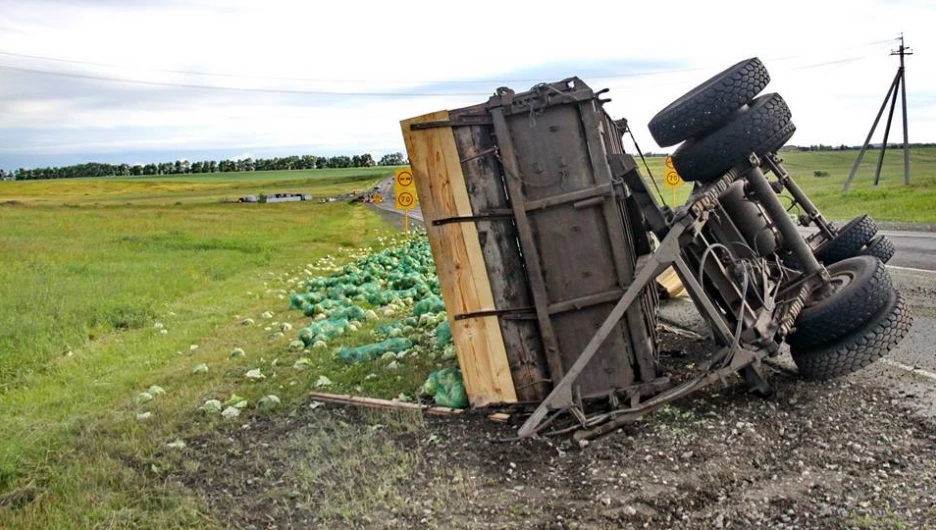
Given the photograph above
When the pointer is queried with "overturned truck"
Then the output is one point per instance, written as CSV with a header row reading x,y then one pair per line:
x,y
547,241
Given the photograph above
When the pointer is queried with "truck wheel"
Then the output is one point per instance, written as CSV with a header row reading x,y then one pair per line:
x,y
881,248
706,106
859,348
860,287
849,241
761,128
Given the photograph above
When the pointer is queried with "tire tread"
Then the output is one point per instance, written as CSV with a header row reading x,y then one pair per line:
x,y
849,241
764,127
708,105
860,348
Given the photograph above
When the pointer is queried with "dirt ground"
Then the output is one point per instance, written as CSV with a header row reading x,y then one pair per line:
x,y
856,453
845,454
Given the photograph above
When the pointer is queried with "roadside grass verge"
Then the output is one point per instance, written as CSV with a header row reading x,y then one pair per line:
x,y
890,201
81,292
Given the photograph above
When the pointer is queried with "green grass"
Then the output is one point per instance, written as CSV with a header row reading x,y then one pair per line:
x,y
83,280
188,189
890,201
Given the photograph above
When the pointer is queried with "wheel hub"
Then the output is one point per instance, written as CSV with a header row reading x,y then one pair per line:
x,y
837,282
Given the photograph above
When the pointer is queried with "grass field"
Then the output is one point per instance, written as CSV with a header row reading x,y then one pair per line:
x,y
88,267
890,201
188,189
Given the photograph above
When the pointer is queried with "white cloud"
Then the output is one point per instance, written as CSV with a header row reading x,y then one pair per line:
x,y
401,45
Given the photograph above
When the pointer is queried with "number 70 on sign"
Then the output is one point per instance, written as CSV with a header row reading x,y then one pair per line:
x,y
405,189
671,178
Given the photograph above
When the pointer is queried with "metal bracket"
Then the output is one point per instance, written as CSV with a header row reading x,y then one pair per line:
x,y
489,216
462,120
517,313
741,359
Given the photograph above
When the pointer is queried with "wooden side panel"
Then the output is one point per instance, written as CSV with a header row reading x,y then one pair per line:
x,y
463,276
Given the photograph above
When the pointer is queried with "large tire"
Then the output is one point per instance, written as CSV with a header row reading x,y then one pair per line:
x,y
860,347
761,128
881,248
706,106
849,241
861,286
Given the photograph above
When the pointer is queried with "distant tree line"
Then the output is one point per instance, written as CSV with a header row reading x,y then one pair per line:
x,y
843,147
184,167
824,147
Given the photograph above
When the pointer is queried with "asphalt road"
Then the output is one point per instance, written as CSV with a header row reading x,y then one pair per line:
x,y
915,250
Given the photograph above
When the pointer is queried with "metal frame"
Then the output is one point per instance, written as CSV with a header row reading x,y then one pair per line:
x,y
760,326
591,186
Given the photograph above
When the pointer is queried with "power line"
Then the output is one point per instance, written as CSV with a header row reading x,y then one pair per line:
x,y
413,81
242,89
323,80
316,92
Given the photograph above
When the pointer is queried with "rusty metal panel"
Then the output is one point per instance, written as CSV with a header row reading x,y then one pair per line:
x,y
498,238
584,248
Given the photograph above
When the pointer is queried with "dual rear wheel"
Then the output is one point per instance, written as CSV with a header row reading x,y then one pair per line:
x,y
722,121
859,321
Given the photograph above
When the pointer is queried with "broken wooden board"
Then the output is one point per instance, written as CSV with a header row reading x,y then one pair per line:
x,y
671,282
463,277
382,403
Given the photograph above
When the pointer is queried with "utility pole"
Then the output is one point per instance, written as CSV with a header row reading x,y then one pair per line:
x,y
902,51
899,82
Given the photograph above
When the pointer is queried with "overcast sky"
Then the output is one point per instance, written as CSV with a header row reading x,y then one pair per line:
x,y
829,60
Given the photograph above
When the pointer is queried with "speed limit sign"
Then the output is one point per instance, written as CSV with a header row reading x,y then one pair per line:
x,y
405,189
671,178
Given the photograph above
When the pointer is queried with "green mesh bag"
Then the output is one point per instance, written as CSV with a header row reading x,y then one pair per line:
x,y
447,388
369,352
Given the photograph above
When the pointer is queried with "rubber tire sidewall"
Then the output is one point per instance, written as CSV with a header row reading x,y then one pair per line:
x,y
710,104
761,128
860,348
848,308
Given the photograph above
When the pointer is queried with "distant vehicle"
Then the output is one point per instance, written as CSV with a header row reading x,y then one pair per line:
x,y
277,197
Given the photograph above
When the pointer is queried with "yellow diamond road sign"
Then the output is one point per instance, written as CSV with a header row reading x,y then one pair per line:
x,y
405,189
671,178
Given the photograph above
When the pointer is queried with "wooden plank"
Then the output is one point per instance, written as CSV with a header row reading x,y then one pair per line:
x,y
499,417
463,276
382,403
671,282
